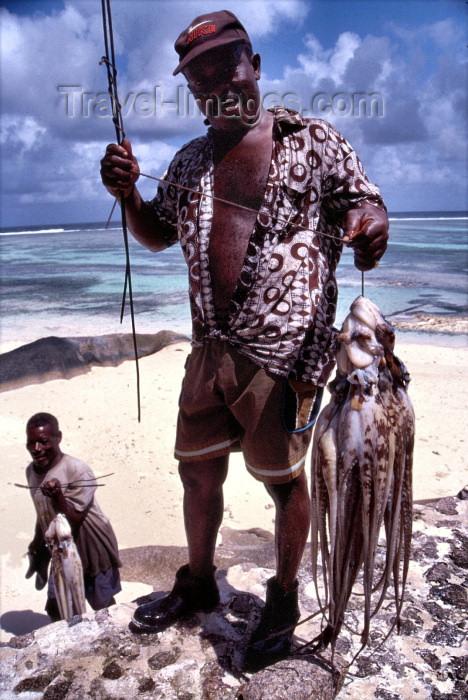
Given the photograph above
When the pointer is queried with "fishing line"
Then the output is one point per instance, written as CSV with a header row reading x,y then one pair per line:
x,y
237,206
109,61
226,201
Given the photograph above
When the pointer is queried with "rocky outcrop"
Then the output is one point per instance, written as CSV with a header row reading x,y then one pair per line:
x,y
96,656
63,358
427,659
155,566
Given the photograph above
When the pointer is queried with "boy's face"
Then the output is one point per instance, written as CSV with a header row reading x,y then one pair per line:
x,y
44,447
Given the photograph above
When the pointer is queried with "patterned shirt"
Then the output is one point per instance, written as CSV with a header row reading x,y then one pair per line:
x,y
282,311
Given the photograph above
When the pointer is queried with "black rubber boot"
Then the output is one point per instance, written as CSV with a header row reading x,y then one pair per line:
x,y
190,594
271,640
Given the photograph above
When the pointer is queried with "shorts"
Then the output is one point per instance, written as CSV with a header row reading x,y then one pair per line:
x,y
99,590
227,401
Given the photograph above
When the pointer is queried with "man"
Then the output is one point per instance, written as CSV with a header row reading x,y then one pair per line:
x,y
62,484
257,205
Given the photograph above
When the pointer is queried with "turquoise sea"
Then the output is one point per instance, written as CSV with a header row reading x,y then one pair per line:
x,y
67,280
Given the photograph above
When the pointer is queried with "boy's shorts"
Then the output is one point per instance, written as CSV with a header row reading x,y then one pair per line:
x,y
227,401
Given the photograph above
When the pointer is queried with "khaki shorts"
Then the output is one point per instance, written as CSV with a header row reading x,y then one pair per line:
x,y
227,402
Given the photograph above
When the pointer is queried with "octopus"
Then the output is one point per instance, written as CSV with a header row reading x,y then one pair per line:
x,y
361,481
66,568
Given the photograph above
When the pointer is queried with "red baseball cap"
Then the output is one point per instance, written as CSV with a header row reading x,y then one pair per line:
x,y
208,32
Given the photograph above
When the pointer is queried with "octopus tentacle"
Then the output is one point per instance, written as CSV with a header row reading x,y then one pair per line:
x,y
66,568
362,473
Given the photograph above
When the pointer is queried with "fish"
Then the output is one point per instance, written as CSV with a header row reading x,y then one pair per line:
x,y
361,476
66,568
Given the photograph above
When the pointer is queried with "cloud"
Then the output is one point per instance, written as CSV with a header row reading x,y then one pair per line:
x,y
319,64
21,131
51,62
51,153
264,18
40,53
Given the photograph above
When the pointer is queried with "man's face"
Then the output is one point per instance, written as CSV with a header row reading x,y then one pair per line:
x,y
44,447
224,81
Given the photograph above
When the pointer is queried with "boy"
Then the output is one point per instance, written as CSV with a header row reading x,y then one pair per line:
x,y
63,484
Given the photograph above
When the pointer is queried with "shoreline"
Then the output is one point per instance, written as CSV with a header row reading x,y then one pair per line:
x,y
97,412
446,330
432,324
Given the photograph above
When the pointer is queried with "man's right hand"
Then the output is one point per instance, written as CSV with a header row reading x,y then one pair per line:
x,y
119,172
119,169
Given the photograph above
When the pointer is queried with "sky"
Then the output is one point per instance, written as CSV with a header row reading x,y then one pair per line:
x,y
389,74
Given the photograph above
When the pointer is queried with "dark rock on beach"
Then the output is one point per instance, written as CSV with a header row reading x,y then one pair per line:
x,y
237,547
63,358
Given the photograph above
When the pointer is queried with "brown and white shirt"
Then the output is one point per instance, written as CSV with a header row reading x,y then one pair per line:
x,y
282,311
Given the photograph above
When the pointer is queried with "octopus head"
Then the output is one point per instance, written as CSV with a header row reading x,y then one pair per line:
x,y
364,337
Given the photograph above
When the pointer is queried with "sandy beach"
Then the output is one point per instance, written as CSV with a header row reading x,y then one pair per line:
x,y
98,417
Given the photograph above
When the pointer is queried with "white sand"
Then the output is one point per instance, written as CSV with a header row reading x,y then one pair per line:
x,y
97,414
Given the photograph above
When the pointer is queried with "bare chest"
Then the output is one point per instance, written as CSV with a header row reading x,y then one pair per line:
x,y
240,179
241,176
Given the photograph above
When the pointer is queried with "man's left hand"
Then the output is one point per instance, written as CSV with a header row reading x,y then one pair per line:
x,y
365,229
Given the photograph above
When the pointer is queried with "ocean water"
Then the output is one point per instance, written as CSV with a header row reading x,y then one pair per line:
x,y
68,280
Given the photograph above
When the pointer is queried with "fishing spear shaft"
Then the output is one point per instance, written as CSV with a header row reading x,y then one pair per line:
x,y
109,61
